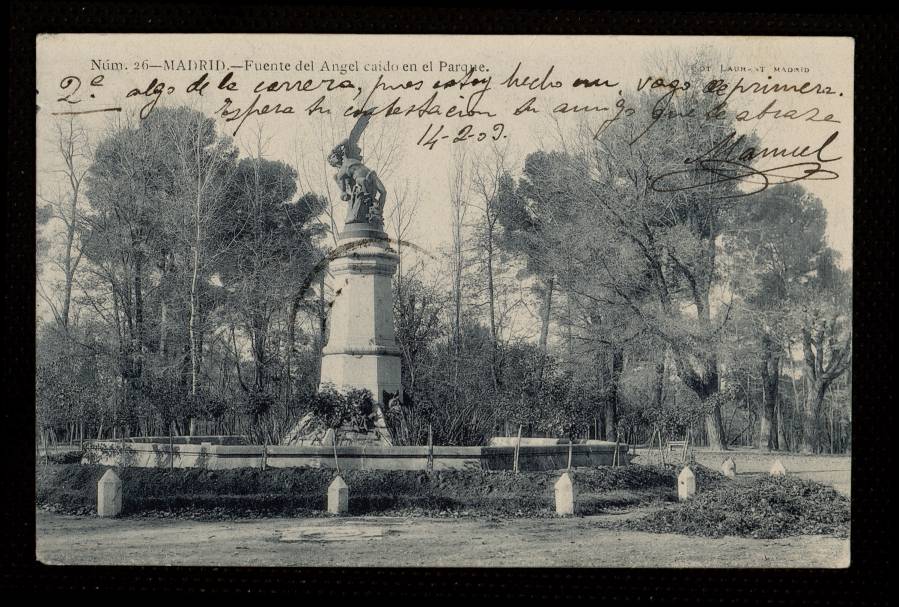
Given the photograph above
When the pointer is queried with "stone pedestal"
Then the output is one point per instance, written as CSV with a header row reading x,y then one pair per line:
x,y
686,484
565,495
338,497
729,468
109,494
361,350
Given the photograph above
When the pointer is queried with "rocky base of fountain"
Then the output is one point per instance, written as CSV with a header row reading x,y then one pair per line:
x,y
309,433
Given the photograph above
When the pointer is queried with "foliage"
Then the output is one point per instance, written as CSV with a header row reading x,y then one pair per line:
x,y
765,507
335,409
188,254
251,492
198,293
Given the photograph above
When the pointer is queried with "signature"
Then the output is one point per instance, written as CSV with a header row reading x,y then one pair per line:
x,y
728,162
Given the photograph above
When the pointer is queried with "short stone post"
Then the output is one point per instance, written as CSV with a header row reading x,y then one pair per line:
x,y
338,496
109,494
729,468
686,484
565,495
777,469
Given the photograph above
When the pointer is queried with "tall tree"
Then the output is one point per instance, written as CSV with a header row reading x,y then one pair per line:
x,y
126,187
490,177
201,168
635,188
458,203
154,188
773,247
273,246
535,216
64,205
824,318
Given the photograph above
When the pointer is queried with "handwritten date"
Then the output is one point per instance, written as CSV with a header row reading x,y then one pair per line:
x,y
435,134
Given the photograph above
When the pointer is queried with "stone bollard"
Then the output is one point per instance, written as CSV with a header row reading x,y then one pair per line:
x,y
729,468
565,495
777,469
109,494
686,484
338,496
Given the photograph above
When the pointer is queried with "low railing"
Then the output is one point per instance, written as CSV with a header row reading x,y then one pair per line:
x,y
217,457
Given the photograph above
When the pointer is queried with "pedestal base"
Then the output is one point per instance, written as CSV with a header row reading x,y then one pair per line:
x,y
378,373
361,350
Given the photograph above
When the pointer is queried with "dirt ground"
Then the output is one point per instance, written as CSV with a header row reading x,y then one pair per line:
x,y
415,542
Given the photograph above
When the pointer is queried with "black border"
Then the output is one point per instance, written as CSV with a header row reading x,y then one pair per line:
x,y
864,583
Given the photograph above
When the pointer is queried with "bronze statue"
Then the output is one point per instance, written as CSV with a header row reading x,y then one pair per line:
x,y
359,185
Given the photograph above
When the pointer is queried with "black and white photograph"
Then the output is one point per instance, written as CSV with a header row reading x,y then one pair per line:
x,y
332,300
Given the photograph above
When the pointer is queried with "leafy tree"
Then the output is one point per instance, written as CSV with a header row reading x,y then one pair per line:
x,y
774,246
663,224
824,319
272,246
154,189
535,214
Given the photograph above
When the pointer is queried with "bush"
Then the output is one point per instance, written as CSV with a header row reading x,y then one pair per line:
x,y
765,507
64,457
332,408
302,491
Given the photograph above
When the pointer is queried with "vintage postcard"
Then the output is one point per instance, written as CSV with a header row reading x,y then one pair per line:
x,y
493,301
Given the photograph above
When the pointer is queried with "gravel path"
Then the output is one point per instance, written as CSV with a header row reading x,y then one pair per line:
x,y
414,542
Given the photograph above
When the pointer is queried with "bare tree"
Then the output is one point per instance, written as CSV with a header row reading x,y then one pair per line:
x,y
459,204
201,166
489,174
64,206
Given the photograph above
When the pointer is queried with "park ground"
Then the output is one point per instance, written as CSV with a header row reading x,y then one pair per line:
x,y
833,470
588,541
411,542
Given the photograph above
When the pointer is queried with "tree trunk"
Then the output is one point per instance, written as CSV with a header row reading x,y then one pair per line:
x,y
291,340
714,428
163,311
659,395
545,314
322,324
602,372
811,416
491,295
612,401
544,327
138,336
706,387
260,360
195,351
769,369
709,396
782,443
163,328
68,143
69,269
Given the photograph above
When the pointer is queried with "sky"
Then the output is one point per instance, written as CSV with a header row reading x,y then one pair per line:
x,y
90,74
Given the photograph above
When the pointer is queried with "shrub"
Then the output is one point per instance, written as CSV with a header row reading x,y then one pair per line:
x,y
765,507
65,457
294,491
333,409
